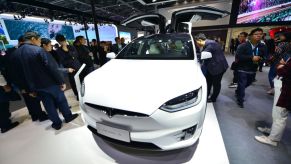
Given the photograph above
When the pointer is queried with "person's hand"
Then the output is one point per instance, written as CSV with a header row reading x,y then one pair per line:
x,y
32,94
90,54
256,58
282,62
63,87
7,88
71,70
280,66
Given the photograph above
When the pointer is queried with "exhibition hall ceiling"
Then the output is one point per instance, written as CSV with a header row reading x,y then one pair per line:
x,y
107,10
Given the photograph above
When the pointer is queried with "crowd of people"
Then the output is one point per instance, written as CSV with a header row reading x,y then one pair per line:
x,y
252,51
249,57
247,6
37,70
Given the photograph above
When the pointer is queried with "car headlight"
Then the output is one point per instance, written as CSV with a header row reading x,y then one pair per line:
x,y
83,89
182,102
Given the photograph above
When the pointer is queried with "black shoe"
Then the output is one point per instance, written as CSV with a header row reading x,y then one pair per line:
x,y
57,126
11,126
34,118
74,116
210,100
240,104
43,117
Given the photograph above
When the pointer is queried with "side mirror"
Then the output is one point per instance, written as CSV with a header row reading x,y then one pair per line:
x,y
205,55
111,55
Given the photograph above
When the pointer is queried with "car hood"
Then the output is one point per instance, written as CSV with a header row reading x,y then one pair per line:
x,y
141,85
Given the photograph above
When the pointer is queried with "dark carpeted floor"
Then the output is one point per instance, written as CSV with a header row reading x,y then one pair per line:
x,y
238,126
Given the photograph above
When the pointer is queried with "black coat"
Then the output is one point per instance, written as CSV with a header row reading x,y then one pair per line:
x,y
84,56
217,64
69,59
36,68
284,100
11,66
245,53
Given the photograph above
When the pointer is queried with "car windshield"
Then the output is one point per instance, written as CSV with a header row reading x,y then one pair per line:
x,y
161,46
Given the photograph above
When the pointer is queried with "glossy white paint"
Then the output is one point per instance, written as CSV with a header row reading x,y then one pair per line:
x,y
141,85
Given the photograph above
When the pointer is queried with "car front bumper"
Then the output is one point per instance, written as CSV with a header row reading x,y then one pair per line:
x,y
165,130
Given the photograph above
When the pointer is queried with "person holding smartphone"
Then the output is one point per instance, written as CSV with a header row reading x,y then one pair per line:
x,y
282,103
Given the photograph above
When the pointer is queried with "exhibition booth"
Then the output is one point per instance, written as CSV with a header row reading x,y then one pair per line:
x,y
149,102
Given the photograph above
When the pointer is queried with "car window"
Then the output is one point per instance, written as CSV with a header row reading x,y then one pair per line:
x,y
159,47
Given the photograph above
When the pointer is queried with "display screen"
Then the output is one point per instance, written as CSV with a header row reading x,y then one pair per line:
x,y
1,30
106,32
262,11
126,36
3,39
2,46
16,28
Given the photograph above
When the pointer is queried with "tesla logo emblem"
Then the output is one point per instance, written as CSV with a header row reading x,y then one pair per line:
x,y
110,112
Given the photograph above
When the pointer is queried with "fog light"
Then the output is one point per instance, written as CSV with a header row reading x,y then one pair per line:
x,y
186,133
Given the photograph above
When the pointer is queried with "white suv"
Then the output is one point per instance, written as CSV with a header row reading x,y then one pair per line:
x,y
152,95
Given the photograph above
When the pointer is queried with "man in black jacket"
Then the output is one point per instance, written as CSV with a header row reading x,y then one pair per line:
x,y
215,66
249,55
42,78
85,56
13,77
68,57
242,39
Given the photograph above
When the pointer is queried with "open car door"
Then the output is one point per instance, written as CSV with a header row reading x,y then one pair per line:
x,y
146,21
195,14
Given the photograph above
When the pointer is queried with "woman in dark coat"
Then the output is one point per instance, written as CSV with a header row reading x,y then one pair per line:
x,y
284,70
283,105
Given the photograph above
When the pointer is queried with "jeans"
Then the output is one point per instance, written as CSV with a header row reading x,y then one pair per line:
x,y
279,114
245,79
272,75
33,106
53,97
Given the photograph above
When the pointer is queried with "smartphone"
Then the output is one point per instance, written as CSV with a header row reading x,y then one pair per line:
x,y
286,57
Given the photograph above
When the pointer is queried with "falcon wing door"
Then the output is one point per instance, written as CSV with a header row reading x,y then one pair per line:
x,y
146,21
195,14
